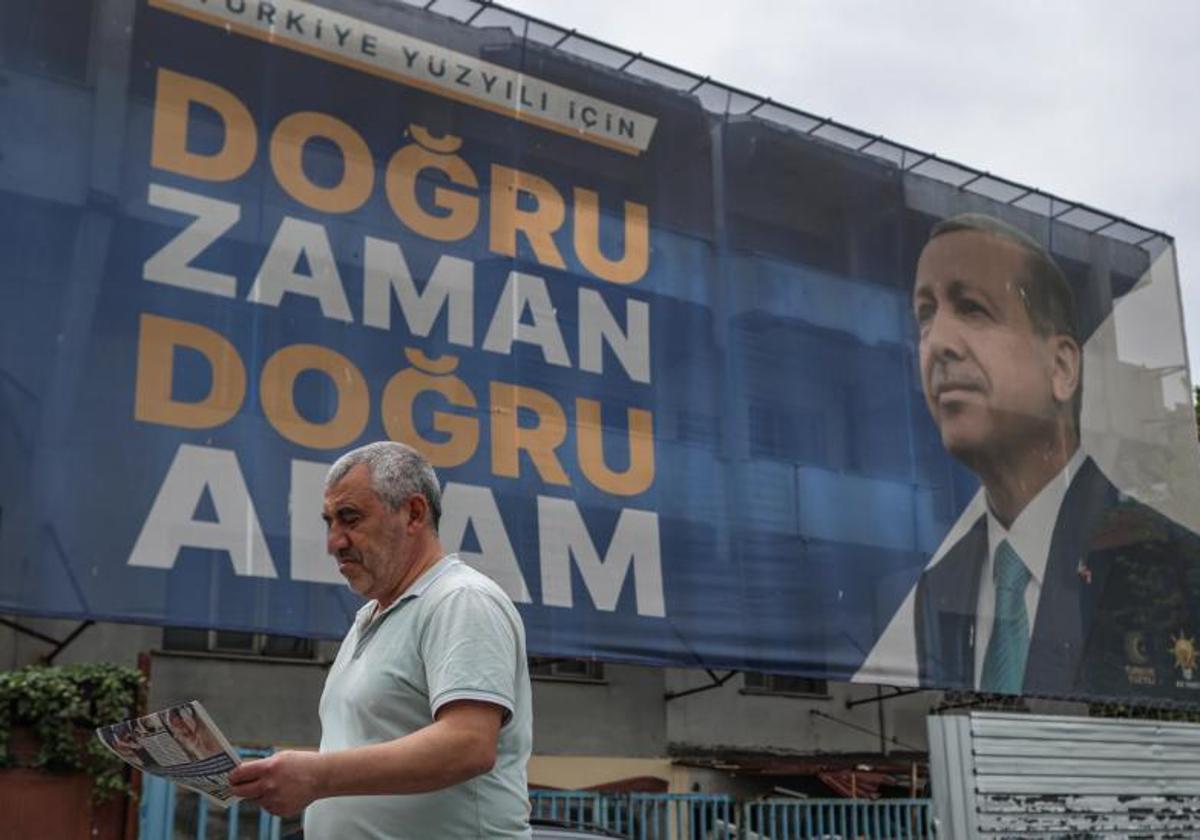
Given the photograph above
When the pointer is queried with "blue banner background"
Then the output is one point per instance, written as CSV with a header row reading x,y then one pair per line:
x,y
799,486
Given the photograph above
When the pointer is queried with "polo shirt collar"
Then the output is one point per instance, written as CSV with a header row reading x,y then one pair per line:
x,y
366,613
421,584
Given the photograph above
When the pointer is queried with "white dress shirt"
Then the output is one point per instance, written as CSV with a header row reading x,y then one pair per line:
x,y
1030,537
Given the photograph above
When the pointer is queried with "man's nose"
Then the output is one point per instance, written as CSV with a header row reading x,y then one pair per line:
x,y
943,337
336,539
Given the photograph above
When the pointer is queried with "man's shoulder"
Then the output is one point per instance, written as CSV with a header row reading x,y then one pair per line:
x,y
1119,521
1129,521
459,578
1141,566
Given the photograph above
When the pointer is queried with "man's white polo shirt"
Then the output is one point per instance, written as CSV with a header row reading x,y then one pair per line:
x,y
453,635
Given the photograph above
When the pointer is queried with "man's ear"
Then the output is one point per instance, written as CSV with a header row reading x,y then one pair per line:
x,y
1067,367
418,510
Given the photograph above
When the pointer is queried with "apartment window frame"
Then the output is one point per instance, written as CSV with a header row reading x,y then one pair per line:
x,y
567,670
762,684
239,644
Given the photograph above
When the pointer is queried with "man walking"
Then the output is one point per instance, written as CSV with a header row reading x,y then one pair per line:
x,y
426,725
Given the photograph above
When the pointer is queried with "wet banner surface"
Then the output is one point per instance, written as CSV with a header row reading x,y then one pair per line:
x,y
700,388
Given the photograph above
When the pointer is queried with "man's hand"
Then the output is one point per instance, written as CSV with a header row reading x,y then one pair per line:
x,y
284,783
459,745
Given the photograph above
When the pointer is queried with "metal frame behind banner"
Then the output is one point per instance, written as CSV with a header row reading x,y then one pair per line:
x,y
736,273
720,98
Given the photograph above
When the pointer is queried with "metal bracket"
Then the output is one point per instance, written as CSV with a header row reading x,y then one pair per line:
x,y
865,730
883,698
59,644
717,682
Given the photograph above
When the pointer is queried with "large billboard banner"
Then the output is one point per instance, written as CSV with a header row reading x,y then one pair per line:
x,y
702,389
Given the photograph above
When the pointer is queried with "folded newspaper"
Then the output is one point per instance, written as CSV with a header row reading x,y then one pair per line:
x,y
181,744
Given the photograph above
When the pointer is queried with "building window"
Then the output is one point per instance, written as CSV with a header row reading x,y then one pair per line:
x,y
783,685
237,642
47,37
566,670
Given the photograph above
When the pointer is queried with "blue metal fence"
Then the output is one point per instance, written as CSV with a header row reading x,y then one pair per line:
x,y
167,813
668,816
802,819
681,816
642,816
571,807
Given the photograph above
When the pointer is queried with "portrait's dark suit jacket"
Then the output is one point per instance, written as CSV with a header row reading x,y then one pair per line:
x,y
1120,590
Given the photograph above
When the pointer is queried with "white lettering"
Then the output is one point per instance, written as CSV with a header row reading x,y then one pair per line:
x,y
597,324
172,263
563,534
521,291
466,504
310,560
278,276
451,286
172,525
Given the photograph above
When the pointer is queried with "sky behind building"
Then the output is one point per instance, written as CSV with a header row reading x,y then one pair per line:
x,y
1091,101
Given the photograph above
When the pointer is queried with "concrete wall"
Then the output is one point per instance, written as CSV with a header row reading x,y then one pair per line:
x,y
576,772
729,717
101,642
584,733
255,702
624,716
260,701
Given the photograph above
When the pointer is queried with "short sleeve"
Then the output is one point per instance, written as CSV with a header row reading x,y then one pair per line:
x,y
469,646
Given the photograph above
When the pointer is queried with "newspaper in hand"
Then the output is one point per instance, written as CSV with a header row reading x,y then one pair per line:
x,y
180,743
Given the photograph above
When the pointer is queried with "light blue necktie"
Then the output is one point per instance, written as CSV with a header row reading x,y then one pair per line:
x,y
1008,648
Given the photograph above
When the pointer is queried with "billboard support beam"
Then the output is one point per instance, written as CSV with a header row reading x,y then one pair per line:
x,y
59,644
20,628
884,740
883,698
717,682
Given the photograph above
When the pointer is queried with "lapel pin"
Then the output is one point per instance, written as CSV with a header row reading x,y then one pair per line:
x,y
1085,573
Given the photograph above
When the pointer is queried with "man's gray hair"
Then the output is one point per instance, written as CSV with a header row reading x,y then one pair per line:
x,y
398,472
1044,288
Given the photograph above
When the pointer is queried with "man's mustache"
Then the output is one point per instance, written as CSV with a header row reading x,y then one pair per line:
x,y
945,377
